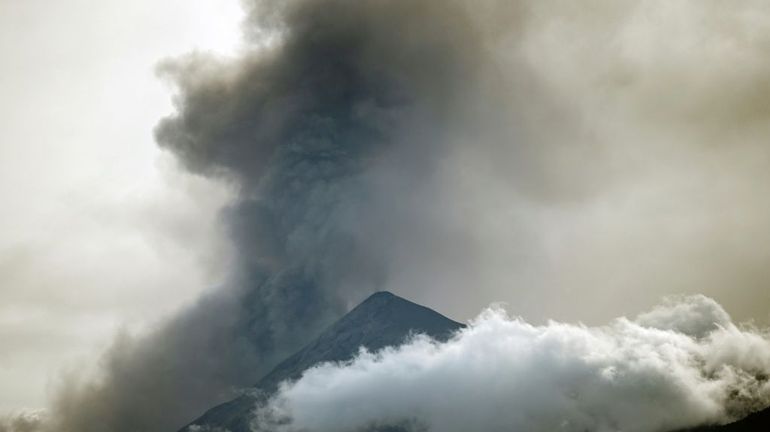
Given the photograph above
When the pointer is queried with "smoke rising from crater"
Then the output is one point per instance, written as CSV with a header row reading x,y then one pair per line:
x,y
575,160
326,136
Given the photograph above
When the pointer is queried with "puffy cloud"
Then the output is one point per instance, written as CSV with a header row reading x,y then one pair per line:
x,y
695,316
502,373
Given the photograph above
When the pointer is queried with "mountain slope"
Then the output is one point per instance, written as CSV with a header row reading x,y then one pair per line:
x,y
757,422
381,320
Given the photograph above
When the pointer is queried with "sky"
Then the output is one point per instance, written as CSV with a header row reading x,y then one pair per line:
x,y
578,163
94,214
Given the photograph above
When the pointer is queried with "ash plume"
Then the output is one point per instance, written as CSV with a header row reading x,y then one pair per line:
x,y
322,135
569,154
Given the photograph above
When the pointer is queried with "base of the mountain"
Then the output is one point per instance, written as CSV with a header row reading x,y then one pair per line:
x,y
381,320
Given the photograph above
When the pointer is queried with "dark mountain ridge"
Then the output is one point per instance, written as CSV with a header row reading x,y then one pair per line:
x,y
757,422
381,320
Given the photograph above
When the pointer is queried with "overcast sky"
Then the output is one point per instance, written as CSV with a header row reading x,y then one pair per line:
x,y
99,229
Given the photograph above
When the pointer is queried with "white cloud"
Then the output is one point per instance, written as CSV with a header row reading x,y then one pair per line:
x,y
503,374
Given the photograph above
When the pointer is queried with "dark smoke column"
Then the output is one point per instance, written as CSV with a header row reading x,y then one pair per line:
x,y
325,136
311,132
328,137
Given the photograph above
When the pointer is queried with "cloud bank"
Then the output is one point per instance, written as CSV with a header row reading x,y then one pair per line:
x,y
501,374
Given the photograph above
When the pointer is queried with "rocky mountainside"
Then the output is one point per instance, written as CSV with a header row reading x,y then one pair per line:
x,y
757,422
381,320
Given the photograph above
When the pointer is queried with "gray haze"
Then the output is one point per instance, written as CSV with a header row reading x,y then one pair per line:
x,y
93,211
575,160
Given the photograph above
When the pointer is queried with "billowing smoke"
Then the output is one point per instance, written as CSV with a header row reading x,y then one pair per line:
x,y
24,422
681,365
577,158
326,135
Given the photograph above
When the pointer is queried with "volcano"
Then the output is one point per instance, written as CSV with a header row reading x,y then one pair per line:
x,y
381,320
